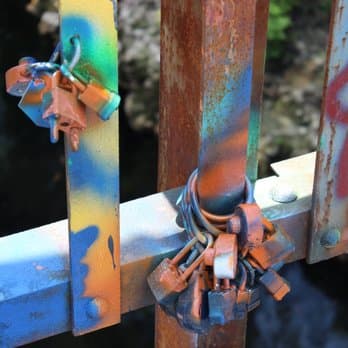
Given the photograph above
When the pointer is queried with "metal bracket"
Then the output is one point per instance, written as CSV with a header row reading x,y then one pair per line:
x,y
93,173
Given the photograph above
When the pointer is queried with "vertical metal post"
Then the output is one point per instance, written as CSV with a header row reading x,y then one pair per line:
x,y
227,46
329,234
93,172
260,43
180,91
205,90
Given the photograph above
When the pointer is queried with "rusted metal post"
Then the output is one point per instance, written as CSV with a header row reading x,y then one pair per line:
x,y
180,91
329,233
206,74
227,48
260,43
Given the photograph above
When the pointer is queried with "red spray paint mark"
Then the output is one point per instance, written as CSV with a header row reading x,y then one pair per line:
x,y
338,113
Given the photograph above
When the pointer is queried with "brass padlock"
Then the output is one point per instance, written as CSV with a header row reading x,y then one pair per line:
x,y
63,110
275,249
276,285
168,280
18,77
94,96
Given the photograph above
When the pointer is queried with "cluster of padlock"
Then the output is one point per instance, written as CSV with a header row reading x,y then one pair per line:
x,y
215,278
53,97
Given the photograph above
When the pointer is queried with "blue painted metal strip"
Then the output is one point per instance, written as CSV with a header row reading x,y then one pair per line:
x,y
93,172
34,284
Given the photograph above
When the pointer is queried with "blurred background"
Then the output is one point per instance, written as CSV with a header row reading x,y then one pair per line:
x,y
32,175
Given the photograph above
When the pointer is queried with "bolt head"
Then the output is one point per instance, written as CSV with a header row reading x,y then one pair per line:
x,y
96,308
330,238
283,193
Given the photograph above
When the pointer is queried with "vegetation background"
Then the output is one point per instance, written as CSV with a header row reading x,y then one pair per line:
x,y
32,175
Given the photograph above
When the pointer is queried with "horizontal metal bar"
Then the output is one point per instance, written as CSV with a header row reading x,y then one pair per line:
x,y
34,265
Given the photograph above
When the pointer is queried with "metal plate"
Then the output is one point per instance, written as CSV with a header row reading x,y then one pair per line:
x,y
329,233
93,172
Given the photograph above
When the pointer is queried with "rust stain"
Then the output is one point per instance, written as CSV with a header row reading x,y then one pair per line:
x,y
228,45
328,162
180,91
340,10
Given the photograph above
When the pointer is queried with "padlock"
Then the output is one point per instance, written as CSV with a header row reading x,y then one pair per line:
x,y
222,302
94,96
19,77
63,110
223,256
168,280
276,285
226,256
240,309
246,221
192,303
275,249
31,102
247,300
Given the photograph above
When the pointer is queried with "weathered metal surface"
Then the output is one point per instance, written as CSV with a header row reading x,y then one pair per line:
x,y
260,43
93,172
206,65
330,199
226,95
180,91
34,284
226,336
227,49
38,305
180,118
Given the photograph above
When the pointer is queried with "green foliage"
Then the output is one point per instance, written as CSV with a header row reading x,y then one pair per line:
x,y
279,22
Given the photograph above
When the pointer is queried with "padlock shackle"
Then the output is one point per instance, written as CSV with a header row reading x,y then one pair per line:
x,y
181,254
189,222
243,278
198,260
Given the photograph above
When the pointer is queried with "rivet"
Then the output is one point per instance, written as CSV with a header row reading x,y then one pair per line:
x,y
283,193
330,238
96,308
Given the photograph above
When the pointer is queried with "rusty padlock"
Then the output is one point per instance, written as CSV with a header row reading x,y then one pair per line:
x,y
94,96
246,221
192,304
222,301
275,249
168,280
63,110
18,77
240,308
276,285
247,298
223,256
